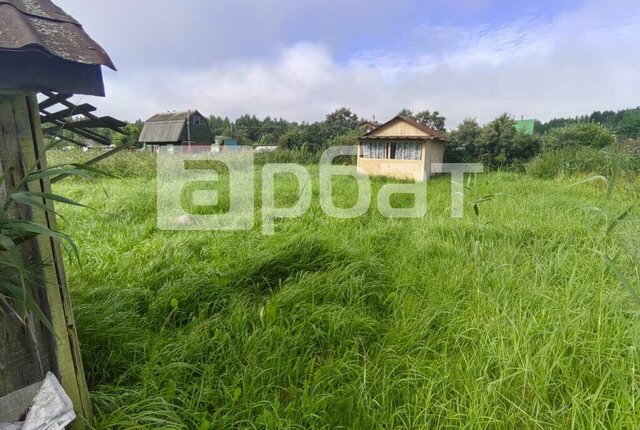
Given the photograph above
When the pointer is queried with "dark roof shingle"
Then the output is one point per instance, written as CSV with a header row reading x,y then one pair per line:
x,y
27,25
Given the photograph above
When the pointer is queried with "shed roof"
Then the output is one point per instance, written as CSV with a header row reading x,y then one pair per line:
x,y
166,127
41,25
425,132
173,116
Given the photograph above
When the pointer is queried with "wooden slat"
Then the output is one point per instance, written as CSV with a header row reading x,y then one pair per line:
x,y
89,134
82,109
102,122
53,99
93,161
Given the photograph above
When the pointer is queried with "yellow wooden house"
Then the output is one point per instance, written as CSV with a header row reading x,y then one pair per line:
x,y
401,148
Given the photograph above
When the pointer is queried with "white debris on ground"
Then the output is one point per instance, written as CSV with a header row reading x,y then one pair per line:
x,y
51,408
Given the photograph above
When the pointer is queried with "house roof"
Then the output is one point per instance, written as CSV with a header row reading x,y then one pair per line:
x,y
162,131
526,126
41,25
173,116
166,127
426,132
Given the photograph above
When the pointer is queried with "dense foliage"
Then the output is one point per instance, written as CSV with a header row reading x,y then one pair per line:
x,y
624,123
581,134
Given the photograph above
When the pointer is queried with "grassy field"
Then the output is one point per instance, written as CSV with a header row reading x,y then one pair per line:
x,y
507,320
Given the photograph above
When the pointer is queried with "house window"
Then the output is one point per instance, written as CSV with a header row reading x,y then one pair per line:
x,y
408,151
196,120
374,150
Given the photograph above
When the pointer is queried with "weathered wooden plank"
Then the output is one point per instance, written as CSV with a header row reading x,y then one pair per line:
x,y
21,147
67,113
100,122
53,99
26,353
67,353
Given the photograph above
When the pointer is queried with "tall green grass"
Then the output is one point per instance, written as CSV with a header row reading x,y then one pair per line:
x,y
506,320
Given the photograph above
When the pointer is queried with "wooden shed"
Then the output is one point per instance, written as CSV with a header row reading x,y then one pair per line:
x,y
401,148
176,128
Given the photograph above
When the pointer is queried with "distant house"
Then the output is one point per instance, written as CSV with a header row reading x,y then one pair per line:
x,y
176,128
526,126
367,126
401,148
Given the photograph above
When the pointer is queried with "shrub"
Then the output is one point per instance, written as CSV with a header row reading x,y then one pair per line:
x,y
569,161
283,155
500,145
582,134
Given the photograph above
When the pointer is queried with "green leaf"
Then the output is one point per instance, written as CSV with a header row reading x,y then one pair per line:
x,y
24,199
24,301
54,197
617,167
55,171
623,279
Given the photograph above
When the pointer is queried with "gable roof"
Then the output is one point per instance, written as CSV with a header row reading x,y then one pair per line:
x,y
426,132
170,127
173,116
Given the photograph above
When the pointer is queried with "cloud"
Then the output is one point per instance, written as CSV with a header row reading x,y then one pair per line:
x,y
578,61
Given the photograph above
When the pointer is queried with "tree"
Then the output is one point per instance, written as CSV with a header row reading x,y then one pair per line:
x,y
579,134
431,119
500,145
133,130
629,126
341,121
462,147
407,113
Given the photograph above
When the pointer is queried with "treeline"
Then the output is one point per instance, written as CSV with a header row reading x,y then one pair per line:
x,y
341,126
496,144
624,123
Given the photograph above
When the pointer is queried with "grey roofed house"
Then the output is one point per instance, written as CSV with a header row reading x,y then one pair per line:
x,y
173,128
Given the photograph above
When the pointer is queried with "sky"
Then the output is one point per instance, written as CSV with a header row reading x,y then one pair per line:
x,y
300,59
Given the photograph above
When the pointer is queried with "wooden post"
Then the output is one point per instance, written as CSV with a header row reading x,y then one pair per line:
x,y
26,354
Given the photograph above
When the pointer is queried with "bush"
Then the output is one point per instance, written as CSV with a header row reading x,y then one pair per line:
x,y
570,161
500,145
282,155
583,134
124,164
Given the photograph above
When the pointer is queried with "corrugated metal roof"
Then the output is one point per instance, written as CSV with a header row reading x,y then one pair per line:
x,y
162,131
26,25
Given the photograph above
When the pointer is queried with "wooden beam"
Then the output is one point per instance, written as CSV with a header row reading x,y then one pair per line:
x,y
53,99
89,134
102,122
94,160
82,109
